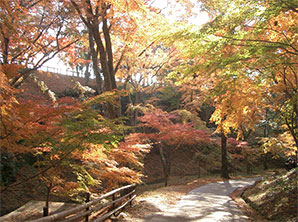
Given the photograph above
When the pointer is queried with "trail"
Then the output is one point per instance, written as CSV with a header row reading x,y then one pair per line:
x,y
208,203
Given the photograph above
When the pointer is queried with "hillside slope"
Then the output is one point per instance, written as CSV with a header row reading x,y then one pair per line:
x,y
275,197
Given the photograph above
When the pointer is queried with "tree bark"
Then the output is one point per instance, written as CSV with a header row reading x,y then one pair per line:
x,y
94,56
164,164
5,47
95,20
199,163
224,161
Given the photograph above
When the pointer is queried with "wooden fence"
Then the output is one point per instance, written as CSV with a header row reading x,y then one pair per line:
x,y
103,210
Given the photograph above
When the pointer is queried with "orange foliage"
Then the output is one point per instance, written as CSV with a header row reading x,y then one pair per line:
x,y
166,131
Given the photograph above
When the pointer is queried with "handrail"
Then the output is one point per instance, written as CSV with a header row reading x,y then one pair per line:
x,y
114,211
59,70
98,208
63,214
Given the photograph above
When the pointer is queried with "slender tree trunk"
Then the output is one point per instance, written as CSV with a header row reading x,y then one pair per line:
x,y
87,73
47,204
102,59
169,163
5,47
77,71
264,160
248,167
224,161
199,162
109,51
164,164
108,80
94,56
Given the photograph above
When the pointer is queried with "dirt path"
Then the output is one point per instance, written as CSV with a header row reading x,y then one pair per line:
x,y
210,202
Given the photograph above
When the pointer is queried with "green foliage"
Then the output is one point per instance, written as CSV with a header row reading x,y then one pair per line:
x,y
208,156
169,98
84,179
188,117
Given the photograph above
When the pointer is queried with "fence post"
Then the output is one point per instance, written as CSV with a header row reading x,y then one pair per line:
x,y
87,200
130,203
130,196
114,205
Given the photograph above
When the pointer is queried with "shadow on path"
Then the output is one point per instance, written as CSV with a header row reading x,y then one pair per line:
x,y
207,203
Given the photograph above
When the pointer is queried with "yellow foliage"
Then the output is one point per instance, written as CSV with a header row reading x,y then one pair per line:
x,y
283,144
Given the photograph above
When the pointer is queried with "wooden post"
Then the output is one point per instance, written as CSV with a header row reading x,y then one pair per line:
x,y
130,196
130,203
113,198
87,200
114,205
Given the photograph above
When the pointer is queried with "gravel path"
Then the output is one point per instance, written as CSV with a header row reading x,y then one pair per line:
x,y
210,203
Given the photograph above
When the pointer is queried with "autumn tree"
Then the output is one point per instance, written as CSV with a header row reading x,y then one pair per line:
x,y
162,129
66,138
94,149
32,33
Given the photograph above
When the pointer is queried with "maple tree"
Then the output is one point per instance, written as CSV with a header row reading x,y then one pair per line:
x,y
66,136
94,149
162,130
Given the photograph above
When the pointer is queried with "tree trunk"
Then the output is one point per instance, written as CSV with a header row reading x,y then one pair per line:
x,y
199,162
264,160
4,47
77,71
94,57
248,167
108,78
95,21
164,164
109,51
87,73
47,204
224,161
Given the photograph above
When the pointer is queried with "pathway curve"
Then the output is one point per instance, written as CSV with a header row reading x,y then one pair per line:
x,y
208,203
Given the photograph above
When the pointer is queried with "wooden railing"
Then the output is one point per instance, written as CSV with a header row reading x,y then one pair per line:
x,y
103,210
